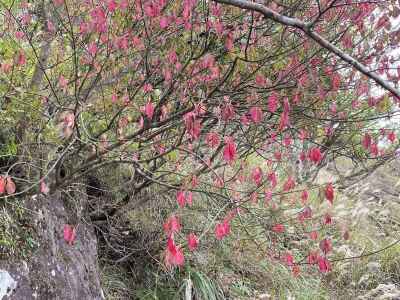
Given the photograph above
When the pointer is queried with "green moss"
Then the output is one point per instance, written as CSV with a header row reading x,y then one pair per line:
x,y
17,237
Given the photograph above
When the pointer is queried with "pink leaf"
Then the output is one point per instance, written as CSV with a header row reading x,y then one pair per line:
x,y
260,80
257,175
289,259
289,184
268,196
315,155
69,234
44,188
278,228
63,82
314,235
366,142
172,226
10,186
180,198
92,48
2,185
212,139
174,255
229,150
295,270
50,26
254,198
112,5
329,193
324,264
304,196
193,241
325,245
222,230
19,35
256,114
312,258
227,112
391,136
149,110
189,198
21,59
164,22
273,102
327,219
273,179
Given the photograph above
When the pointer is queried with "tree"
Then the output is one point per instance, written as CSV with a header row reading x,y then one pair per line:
x,y
212,98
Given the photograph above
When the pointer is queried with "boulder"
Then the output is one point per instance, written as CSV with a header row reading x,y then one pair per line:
x,y
382,292
57,269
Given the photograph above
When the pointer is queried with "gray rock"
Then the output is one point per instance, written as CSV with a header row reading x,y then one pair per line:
x,y
374,267
382,292
56,270
7,284
365,280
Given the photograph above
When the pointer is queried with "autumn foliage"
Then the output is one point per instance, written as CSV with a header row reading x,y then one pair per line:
x,y
203,98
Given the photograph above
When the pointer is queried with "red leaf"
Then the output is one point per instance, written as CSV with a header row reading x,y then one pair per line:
x,y
307,212
21,59
69,234
374,149
164,22
304,196
329,193
257,175
195,181
313,235
172,225
325,245
193,241
289,184
315,155
366,142
174,255
324,265
268,196
273,179
10,186
44,188
284,121
149,110
212,139
227,112
189,198
254,198
63,82
312,258
256,114
278,228
180,198
222,230
288,258
229,150
2,185
260,80
296,270
273,102
287,140
327,219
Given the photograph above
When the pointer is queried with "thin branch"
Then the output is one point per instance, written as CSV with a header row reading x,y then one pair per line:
x,y
306,28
